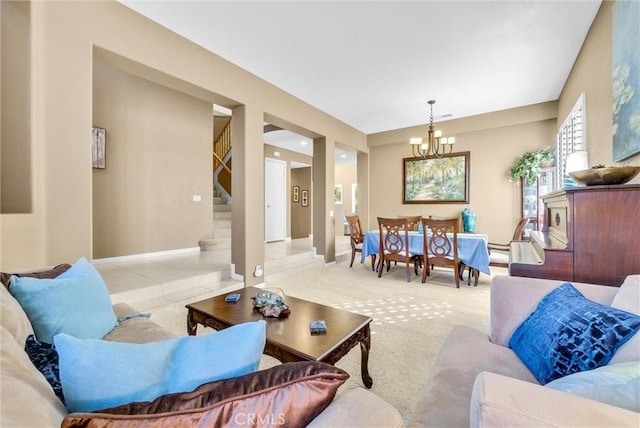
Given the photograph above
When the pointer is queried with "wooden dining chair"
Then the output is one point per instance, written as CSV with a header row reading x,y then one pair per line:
x,y
438,248
357,238
394,245
413,220
499,253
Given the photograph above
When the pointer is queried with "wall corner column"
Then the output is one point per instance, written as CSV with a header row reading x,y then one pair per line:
x,y
247,184
363,190
324,239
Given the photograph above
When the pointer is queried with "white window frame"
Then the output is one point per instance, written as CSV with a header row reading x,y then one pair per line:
x,y
572,136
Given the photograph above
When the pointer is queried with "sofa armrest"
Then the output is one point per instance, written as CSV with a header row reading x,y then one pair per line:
x,y
501,401
135,330
358,407
513,298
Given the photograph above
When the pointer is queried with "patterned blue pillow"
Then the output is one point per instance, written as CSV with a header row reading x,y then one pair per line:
x,y
45,357
568,333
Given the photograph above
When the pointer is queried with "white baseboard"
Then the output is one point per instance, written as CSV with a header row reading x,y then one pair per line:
x,y
235,276
145,255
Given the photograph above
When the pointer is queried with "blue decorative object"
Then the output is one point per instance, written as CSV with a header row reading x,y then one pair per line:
x,y
98,374
568,333
468,220
270,302
45,358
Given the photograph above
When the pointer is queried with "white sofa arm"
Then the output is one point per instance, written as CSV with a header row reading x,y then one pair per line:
x,y
358,407
501,401
513,298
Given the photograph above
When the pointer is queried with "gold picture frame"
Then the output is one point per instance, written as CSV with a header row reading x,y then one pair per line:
x,y
436,179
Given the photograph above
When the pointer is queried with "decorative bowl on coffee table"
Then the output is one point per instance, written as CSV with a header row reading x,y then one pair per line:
x,y
271,302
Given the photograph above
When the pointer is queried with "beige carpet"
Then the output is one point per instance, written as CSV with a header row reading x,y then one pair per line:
x,y
410,320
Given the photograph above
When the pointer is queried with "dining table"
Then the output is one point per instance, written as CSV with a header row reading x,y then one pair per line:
x,y
472,247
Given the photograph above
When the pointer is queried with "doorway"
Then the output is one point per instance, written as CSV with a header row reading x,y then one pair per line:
x,y
275,191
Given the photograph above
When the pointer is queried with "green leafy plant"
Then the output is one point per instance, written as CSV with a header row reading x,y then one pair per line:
x,y
529,164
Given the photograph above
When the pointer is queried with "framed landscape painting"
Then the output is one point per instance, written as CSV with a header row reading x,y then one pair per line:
x,y
436,179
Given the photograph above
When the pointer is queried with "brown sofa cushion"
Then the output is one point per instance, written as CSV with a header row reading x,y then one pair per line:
x,y
46,274
287,395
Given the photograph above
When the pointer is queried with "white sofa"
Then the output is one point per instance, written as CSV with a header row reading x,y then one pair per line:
x,y
478,381
28,400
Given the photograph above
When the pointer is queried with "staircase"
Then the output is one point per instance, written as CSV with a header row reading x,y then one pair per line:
x,y
221,225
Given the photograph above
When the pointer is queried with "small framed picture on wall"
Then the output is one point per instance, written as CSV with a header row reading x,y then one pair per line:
x,y
337,194
305,198
295,194
98,159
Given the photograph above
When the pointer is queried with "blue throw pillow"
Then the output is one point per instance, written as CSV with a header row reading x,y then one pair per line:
x,y
77,303
568,333
45,358
98,374
81,268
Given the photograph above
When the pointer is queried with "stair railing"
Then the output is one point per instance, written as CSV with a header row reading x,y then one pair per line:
x,y
222,160
221,148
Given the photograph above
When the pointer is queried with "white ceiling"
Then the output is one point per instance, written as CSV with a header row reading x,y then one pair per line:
x,y
374,64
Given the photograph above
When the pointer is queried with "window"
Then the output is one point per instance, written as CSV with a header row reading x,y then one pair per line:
x,y
571,137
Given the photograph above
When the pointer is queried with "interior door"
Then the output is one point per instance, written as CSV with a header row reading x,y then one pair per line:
x,y
275,198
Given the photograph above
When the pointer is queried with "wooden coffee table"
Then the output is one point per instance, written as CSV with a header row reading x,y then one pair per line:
x,y
289,338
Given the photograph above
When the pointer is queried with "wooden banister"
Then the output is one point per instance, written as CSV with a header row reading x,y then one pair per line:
x,y
222,146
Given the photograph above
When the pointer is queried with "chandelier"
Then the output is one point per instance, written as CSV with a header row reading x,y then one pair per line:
x,y
436,144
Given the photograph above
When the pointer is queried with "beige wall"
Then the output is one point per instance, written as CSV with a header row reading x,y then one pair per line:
x,y
301,216
494,140
592,75
346,175
158,156
64,36
15,180
297,227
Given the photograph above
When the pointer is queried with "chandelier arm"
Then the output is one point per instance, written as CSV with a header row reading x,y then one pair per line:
x,y
435,146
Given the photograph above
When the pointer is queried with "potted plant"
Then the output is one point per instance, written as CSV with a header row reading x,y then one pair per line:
x,y
529,164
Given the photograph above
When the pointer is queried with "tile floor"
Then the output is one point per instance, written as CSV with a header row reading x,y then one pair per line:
x,y
164,284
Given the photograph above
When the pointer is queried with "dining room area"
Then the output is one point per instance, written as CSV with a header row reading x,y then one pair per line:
x,y
421,246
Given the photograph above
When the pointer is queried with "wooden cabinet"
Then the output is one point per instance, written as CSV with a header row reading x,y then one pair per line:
x,y
532,203
590,234
604,227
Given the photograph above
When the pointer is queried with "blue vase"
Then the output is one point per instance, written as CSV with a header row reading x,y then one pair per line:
x,y
468,220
